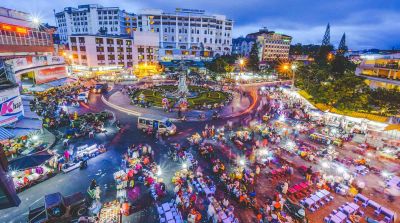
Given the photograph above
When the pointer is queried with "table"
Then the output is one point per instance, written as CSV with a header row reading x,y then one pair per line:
x,y
320,195
362,198
304,185
374,204
165,207
227,220
168,215
387,212
348,210
341,215
354,206
297,187
325,192
335,219
309,202
315,198
360,168
222,215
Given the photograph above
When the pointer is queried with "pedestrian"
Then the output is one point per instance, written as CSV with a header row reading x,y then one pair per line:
x,y
309,174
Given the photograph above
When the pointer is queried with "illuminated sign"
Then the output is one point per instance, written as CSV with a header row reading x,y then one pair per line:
x,y
18,29
193,11
11,108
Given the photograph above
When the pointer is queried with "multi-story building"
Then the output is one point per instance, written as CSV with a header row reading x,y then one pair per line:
x,y
273,46
380,70
19,36
93,52
189,34
242,46
93,19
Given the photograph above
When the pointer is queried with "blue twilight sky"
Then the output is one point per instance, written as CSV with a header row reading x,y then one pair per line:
x,y
367,23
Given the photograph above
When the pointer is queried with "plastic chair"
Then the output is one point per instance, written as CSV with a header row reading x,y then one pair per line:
x,y
388,220
160,210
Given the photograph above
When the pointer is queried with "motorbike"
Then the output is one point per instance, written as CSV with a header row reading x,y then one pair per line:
x,y
296,211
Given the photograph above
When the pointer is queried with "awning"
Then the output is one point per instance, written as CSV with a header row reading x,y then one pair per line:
x,y
5,134
392,127
29,161
22,132
26,123
61,82
51,84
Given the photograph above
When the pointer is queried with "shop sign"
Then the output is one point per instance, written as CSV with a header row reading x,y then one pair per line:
x,y
11,107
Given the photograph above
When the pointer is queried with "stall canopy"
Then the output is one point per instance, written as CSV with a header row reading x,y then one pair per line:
x,y
51,84
26,123
30,161
28,113
21,132
5,134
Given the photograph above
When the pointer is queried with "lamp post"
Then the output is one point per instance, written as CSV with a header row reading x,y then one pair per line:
x,y
241,63
294,67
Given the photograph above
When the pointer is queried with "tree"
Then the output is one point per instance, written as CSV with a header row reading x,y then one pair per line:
x,y
322,55
229,68
254,61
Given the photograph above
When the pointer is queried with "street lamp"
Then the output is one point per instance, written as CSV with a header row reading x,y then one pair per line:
x,y
294,67
241,63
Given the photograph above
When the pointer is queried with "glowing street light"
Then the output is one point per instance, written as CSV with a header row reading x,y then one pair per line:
x,y
241,64
159,172
184,166
241,162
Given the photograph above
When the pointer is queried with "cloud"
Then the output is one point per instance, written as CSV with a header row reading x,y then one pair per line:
x,y
367,23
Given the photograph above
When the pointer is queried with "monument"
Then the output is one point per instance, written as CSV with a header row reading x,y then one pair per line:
x,y
183,89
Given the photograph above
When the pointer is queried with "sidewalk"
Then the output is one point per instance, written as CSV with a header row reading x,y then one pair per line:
x,y
122,102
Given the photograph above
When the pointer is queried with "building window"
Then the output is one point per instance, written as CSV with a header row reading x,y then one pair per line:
x,y
81,40
111,57
73,39
99,49
83,57
128,43
110,41
110,49
141,50
74,48
120,42
100,57
99,40
82,48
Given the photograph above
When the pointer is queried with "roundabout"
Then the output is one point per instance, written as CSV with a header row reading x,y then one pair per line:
x,y
197,97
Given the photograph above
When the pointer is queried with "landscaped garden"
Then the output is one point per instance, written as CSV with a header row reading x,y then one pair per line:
x,y
200,96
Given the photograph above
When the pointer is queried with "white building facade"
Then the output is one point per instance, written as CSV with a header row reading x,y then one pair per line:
x,y
111,52
92,19
188,34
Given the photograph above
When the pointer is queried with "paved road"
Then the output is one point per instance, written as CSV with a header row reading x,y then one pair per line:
x,y
102,167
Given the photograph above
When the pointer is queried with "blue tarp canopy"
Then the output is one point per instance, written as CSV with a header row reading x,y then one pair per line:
x,y
29,161
26,123
21,132
51,84
5,134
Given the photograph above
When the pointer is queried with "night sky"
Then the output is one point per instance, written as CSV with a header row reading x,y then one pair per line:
x,y
367,23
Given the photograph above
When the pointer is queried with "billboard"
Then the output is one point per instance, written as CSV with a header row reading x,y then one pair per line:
x,y
50,74
11,108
